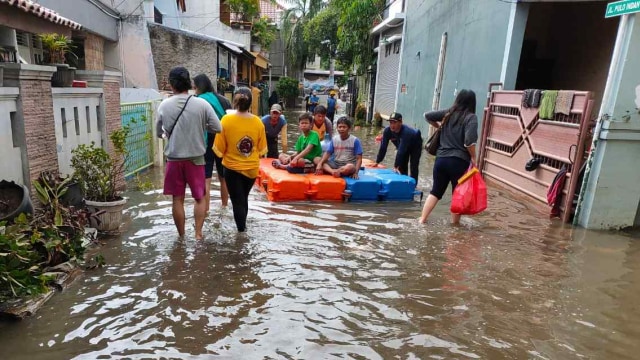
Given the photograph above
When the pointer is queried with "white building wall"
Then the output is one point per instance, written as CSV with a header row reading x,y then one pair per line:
x,y
11,164
202,16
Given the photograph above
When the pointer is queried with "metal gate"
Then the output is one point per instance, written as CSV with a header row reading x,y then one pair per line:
x,y
512,135
139,118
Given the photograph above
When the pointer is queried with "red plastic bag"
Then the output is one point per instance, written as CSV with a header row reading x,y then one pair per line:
x,y
470,195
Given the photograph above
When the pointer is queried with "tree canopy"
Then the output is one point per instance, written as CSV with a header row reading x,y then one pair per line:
x,y
354,27
336,28
294,20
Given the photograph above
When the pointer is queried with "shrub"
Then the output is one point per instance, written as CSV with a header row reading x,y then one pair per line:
x,y
31,245
288,88
263,32
99,172
20,269
361,114
377,119
56,46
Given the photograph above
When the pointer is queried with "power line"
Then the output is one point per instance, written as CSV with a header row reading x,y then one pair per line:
x,y
207,24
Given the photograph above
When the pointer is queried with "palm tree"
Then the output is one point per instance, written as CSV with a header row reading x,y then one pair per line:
x,y
294,18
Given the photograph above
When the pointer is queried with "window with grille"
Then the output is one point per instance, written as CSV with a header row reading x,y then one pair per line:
x,y
22,38
37,54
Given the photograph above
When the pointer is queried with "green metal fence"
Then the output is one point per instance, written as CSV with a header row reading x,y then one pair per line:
x,y
139,117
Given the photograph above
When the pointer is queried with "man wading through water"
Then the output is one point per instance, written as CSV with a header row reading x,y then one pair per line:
x,y
183,120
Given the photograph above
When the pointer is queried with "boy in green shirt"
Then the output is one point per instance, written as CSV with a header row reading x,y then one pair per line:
x,y
308,149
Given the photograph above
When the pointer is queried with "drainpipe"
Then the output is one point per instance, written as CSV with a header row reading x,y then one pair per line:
x,y
437,91
594,161
402,49
121,53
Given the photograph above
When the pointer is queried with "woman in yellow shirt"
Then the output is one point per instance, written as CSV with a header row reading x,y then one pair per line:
x,y
240,145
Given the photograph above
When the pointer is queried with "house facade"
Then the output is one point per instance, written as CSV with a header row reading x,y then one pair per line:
x,y
531,44
41,124
228,54
388,43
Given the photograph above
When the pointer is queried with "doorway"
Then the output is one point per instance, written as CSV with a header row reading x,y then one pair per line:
x,y
567,45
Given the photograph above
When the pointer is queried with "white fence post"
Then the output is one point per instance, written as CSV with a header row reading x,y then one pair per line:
x,y
12,142
76,115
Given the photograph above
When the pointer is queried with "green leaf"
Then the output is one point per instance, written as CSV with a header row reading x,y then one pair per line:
x,y
58,218
43,194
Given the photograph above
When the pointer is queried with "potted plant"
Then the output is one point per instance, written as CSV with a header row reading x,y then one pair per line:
x,y
14,200
245,10
263,34
99,174
56,47
222,85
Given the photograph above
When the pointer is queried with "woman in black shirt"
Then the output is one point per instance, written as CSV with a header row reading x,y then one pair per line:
x,y
457,149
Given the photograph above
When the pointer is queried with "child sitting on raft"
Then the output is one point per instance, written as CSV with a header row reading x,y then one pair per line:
x,y
307,149
344,156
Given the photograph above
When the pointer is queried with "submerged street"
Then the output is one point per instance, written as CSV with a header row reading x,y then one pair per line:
x,y
345,280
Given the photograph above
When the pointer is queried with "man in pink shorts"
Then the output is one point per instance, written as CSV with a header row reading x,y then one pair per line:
x,y
183,120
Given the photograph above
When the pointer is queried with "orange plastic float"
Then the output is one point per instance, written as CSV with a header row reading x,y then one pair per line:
x,y
374,184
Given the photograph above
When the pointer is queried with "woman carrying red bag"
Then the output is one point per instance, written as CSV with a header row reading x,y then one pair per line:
x,y
457,150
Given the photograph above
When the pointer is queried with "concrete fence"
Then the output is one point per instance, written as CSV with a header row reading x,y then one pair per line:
x,y
41,125
77,118
11,137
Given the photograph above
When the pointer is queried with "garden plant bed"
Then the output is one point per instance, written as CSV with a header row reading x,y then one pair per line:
x,y
20,308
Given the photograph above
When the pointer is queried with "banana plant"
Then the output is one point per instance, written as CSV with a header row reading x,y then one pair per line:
x,y
50,189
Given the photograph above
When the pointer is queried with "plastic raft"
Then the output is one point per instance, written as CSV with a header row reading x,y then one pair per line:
x,y
374,184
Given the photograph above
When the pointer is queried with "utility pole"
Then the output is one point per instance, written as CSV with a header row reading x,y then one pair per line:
x,y
332,63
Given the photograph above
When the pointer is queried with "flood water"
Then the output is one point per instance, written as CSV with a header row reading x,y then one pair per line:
x,y
346,281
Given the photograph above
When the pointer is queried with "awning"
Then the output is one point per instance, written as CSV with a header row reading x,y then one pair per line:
x,y
260,61
323,72
30,7
388,23
231,47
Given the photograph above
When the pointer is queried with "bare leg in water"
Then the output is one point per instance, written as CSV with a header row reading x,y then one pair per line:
x,y
177,211
428,207
199,211
179,218
207,195
429,204
224,192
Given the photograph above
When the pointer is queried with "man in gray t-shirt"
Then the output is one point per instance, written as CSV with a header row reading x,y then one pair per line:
x,y
182,121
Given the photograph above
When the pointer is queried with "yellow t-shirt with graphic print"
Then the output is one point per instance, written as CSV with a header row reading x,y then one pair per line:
x,y
241,143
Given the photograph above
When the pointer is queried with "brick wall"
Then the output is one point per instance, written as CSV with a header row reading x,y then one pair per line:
x,y
113,121
171,47
94,52
112,103
40,136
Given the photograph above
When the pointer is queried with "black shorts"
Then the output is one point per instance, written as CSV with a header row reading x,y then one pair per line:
x,y
447,170
210,159
208,167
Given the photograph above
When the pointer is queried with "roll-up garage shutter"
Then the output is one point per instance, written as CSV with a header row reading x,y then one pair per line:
x,y
387,83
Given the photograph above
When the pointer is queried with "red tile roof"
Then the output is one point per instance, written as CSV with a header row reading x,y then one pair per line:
x,y
271,10
42,12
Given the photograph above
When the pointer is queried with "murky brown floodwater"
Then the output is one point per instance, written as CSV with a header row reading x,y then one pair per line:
x,y
360,281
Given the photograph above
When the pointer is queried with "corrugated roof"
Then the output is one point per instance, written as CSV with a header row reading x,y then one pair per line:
x,y
42,12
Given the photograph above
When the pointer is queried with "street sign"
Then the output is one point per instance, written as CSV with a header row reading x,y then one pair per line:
x,y
622,7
